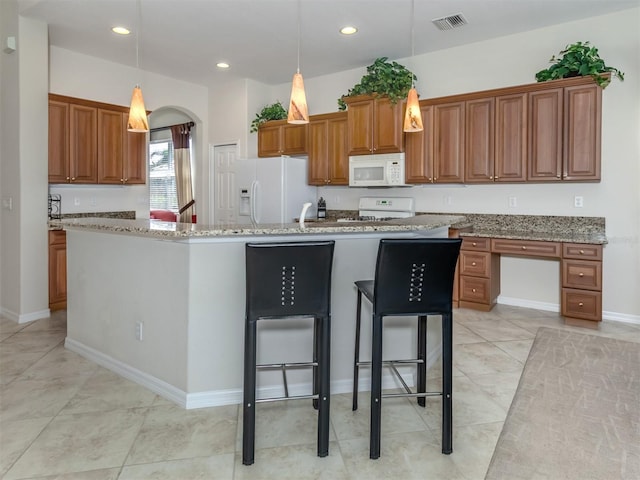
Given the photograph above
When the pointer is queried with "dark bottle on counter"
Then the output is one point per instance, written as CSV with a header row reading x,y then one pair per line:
x,y
322,208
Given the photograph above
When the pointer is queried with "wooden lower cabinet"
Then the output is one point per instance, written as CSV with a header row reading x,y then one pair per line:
x,y
582,281
479,274
57,270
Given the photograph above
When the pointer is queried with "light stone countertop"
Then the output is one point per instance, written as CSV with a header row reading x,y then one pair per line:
x,y
181,231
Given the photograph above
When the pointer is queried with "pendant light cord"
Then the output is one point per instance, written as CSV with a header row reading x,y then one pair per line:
x,y
138,27
298,36
413,82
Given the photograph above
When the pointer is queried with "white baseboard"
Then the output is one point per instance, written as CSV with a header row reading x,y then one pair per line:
x,y
216,398
554,307
25,317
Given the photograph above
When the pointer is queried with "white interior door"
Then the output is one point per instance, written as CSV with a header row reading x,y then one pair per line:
x,y
223,183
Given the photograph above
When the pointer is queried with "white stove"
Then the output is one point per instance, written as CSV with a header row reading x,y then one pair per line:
x,y
376,209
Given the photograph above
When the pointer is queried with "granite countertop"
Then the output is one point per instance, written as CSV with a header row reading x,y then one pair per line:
x,y
548,228
170,230
56,223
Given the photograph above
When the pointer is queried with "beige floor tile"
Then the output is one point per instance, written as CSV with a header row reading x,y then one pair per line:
x,y
405,456
106,391
518,349
500,386
14,363
473,447
172,433
59,363
295,462
101,474
16,436
496,330
462,334
9,326
204,468
56,322
38,341
482,358
78,443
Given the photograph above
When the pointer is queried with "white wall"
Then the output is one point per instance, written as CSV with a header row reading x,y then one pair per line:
x,y
82,76
514,60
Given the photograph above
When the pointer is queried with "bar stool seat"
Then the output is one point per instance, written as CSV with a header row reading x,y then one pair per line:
x,y
413,277
290,281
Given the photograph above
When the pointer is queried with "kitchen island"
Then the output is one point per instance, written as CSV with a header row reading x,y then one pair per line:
x,y
163,303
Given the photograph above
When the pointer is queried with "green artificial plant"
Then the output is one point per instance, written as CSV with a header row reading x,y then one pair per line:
x,y
275,111
579,59
383,78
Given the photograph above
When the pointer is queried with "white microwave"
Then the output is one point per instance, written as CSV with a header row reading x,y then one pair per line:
x,y
381,170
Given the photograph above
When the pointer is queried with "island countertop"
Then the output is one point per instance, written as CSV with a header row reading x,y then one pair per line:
x,y
181,231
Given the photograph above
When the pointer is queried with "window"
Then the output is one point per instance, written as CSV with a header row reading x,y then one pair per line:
x,y
162,176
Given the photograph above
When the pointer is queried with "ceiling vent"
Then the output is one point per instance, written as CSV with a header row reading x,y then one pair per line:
x,y
450,22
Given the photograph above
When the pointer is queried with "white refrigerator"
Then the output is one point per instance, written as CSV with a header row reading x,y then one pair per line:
x,y
272,190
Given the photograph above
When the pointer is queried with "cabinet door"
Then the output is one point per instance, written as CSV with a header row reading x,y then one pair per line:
x,y
582,125
135,155
338,149
448,120
318,147
110,147
294,139
360,119
479,158
269,140
419,150
511,138
387,135
57,269
545,136
83,149
58,142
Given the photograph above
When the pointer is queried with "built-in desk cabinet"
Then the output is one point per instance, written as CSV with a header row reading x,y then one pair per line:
x,y
57,269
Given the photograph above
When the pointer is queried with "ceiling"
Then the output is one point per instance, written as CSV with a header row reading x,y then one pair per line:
x,y
184,39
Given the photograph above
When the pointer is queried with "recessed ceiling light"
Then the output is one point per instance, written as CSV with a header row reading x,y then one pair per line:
x,y
121,30
222,65
348,30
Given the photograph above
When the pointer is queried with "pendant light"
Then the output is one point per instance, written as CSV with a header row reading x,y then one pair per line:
x,y
412,116
137,113
298,112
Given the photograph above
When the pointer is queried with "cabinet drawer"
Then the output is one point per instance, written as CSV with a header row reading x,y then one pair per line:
x,y
582,304
582,251
526,247
582,274
57,237
480,244
474,289
475,263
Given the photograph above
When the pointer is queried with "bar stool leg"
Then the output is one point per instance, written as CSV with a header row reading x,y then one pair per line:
x,y
356,358
249,395
422,355
376,388
447,388
324,398
316,347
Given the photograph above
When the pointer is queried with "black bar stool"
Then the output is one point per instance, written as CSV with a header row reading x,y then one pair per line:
x,y
413,277
289,280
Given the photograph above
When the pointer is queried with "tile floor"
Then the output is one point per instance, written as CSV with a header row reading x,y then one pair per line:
x,y
64,417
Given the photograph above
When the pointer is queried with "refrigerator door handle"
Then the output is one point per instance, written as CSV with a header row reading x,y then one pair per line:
x,y
254,202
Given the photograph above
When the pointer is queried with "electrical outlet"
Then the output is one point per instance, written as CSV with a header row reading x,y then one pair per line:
x,y
76,201
447,200
578,201
7,203
336,199
93,201
139,331
513,202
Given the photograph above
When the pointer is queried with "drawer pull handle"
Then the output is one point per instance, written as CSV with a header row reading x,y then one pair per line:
x,y
581,304
524,248
581,274
473,290
473,264
581,252
474,244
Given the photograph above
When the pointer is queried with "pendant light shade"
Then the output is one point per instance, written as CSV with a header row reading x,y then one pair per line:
x,y
137,113
298,112
412,116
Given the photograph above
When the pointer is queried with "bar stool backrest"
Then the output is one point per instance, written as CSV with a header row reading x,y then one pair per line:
x,y
289,279
415,276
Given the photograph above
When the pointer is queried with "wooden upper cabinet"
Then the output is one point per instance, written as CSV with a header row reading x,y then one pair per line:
x,y
135,155
83,151
582,132
480,137
545,135
278,137
419,150
58,142
328,150
511,138
110,147
449,133
375,125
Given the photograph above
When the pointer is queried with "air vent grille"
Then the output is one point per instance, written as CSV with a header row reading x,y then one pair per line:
x,y
449,22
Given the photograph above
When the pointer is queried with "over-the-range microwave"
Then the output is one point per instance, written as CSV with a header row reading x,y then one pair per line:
x,y
380,170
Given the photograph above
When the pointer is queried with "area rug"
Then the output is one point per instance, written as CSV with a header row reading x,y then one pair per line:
x,y
576,412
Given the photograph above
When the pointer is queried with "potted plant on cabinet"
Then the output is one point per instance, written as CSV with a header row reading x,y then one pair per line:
x,y
383,78
579,59
275,111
